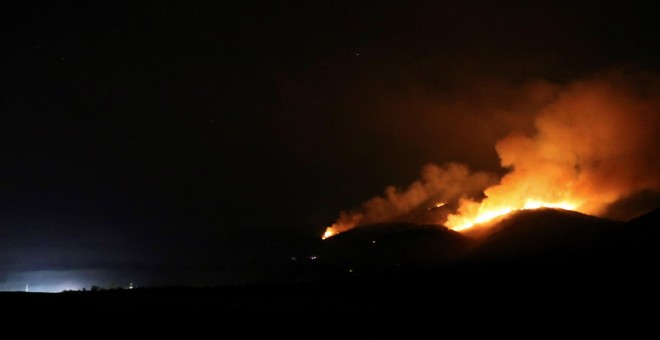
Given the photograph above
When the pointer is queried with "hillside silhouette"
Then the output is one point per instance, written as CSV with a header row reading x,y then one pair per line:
x,y
546,236
533,258
540,236
549,244
385,247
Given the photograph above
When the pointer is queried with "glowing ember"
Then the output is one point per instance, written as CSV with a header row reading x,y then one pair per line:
x,y
329,232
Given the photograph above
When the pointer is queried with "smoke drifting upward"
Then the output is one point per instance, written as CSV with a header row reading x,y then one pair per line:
x,y
595,143
438,184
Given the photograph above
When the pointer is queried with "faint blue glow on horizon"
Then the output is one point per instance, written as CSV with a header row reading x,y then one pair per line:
x,y
55,281
52,281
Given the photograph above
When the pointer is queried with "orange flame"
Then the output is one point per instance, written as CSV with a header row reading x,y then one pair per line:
x,y
595,144
329,232
484,213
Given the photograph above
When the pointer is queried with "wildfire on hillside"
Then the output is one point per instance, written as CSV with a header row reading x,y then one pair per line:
x,y
595,143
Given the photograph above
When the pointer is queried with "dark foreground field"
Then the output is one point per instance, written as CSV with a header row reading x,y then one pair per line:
x,y
534,260
489,287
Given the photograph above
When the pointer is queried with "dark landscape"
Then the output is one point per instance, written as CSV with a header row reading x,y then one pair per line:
x,y
452,156
548,256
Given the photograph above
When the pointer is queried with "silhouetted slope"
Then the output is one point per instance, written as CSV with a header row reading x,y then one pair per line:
x,y
397,246
647,224
542,242
545,236
639,240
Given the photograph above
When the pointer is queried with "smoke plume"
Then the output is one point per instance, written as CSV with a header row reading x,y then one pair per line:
x,y
595,143
438,185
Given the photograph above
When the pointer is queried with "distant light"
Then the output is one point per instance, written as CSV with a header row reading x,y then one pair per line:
x,y
373,242
313,257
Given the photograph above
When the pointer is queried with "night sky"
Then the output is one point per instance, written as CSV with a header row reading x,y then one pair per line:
x,y
199,143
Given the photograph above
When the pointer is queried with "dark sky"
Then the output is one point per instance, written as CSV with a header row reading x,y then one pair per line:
x,y
166,136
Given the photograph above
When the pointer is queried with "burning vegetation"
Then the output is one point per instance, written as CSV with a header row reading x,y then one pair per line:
x,y
595,143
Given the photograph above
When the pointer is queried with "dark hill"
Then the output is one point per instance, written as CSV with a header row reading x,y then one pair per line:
x,y
547,236
647,224
639,239
532,238
395,246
